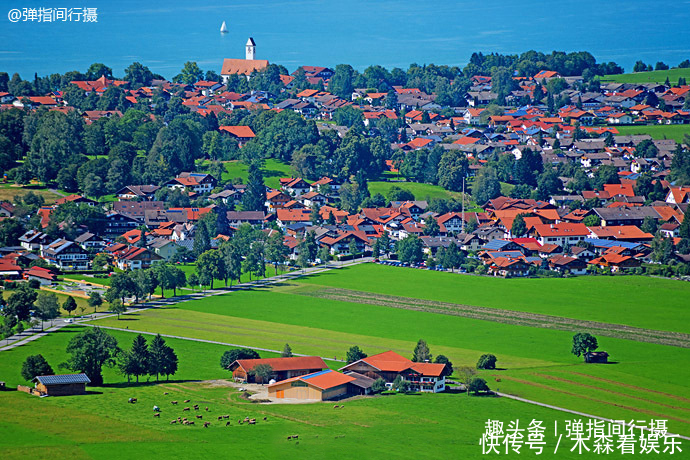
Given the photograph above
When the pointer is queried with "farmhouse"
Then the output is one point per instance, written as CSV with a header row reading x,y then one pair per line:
x,y
61,385
319,386
283,368
424,377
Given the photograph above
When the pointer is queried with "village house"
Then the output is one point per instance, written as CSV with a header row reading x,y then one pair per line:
x,y
67,255
423,377
61,385
200,183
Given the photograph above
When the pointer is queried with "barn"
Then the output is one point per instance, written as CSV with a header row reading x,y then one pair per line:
x,y
61,385
319,386
597,357
283,368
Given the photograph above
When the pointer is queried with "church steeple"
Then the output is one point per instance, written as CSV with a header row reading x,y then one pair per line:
x,y
251,49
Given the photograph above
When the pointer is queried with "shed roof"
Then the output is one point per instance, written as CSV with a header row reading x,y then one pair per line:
x,y
62,379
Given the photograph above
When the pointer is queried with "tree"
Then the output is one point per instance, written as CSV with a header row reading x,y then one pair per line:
x,y
276,251
592,220
355,354
662,249
69,305
90,351
169,362
476,385
443,359
254,197
518,228
431,227
421,352
409,249
262,372
401,385
684,229
486,361
140,356
95,300
583,343
378,386
47,307
210,266
138,75
190,74
233,355
486,185
287,351
35,365
117,307
20,302
160,358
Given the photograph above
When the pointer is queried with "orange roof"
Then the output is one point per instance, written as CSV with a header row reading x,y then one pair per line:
x,y
419,142
323,379
293,215
619,189
466,140
388,361
562,229
238,131
621,232
242,66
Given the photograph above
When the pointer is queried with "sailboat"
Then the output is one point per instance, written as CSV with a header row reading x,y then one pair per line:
x,y
224,28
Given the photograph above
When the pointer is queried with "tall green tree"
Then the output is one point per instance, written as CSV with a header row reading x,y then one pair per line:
x,y
47,307
583,343
421,352
35,365
90,351
486,185
254,196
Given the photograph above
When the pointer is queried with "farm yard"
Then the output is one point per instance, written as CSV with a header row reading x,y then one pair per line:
x,y
317,430
528,324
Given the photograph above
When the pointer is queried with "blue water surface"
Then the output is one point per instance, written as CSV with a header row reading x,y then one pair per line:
x,y
165,34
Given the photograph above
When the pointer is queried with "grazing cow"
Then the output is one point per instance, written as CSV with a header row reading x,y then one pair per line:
x,y
265,419
252,422
207,424
220,417
172,422
174,403
132,400
166,393
157,414
289,438
199,416
186,409
227,423
226,416
156,409
186,400
191,422
206,409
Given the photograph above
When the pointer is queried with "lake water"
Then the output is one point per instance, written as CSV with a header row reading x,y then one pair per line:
x,y
163,35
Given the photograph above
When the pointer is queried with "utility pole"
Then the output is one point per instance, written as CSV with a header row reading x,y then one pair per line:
x,y
463,206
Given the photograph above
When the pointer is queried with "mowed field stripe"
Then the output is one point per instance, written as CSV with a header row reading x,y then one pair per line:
x,y
599,401
633,387
676,339
606,390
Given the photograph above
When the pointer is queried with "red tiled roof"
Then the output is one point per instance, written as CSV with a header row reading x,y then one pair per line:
x,y
238,131
284,364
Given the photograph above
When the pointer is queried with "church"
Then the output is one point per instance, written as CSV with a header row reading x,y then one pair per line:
x,y
243,66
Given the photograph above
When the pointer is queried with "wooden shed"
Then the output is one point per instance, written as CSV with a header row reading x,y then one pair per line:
x,y
597,357
61,385
319,386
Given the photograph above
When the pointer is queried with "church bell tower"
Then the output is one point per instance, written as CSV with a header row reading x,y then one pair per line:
x,y
251,49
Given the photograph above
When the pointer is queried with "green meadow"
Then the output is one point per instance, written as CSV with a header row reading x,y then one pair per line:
x,y
103,424
675,132
655,76
535,362
272,170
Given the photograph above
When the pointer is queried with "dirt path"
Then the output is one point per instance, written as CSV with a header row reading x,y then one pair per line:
x,y
675,339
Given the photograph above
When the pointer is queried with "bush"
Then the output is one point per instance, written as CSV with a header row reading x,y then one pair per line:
x,y
35,365
487,361
34,284
379,385
476,385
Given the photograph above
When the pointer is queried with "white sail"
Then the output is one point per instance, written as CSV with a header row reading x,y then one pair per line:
x,y
224,28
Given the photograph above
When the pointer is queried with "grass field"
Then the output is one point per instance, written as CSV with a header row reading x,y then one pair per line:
x,y
272,169
103,425
676,132
8,192
537,360
420,190
656,76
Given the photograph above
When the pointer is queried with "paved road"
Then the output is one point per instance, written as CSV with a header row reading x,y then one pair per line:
x,y
49,326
